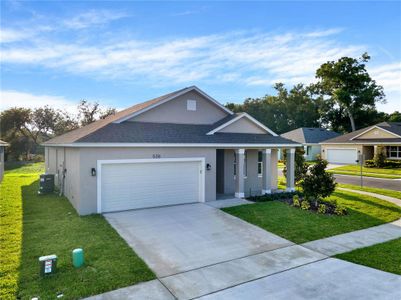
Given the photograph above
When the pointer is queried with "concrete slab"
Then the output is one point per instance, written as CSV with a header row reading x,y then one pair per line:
x,y
210,279
327,279
383,197
228,202
357,239
151,290
180,238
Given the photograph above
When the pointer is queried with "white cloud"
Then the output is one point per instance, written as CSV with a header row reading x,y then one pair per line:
x,y
93,17
11,98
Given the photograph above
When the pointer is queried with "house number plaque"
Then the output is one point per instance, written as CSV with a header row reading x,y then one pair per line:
x,y
156,155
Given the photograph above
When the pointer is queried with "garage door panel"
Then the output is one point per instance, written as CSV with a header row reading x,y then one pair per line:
x,y
342,156
140,185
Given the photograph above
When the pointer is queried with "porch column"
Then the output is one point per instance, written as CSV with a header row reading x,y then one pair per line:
x,y
290,170
266,171
374,150
239,178
274,169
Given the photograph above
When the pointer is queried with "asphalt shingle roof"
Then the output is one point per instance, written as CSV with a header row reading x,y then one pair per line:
x,y
309,135
394,127
141,132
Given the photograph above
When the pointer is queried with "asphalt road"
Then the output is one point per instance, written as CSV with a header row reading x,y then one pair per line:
x,y
389,184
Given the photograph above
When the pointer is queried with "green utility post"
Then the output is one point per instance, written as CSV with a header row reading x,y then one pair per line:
x,y
78,257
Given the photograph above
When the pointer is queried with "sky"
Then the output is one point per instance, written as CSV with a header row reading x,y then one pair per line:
x,y
123,53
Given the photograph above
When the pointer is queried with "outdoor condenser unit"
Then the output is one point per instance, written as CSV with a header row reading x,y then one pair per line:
x,y
46,184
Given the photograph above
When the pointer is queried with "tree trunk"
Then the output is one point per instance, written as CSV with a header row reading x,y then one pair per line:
x,y
351,118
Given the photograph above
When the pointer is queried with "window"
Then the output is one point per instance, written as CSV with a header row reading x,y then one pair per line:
x,y
191,105
394,152
308,148
260,163
245,164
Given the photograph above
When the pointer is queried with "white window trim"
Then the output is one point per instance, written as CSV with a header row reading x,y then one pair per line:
x,y
100,163
191,105
388,152
261,165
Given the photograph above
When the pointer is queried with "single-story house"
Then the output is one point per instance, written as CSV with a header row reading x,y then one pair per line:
x,y
310,138
346,148
182,147
2,146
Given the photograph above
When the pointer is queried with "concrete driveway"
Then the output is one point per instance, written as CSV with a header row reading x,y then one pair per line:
x,y
180,238
200,252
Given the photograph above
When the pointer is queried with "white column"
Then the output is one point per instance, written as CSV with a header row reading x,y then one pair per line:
x,y
266,171
290,170
274,169
375,150
239,179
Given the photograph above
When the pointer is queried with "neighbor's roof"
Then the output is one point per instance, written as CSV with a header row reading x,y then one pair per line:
x,y
309,135
348,138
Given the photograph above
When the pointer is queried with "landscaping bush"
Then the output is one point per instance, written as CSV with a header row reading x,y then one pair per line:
x,y
275,196
305,205
318,183
388,164
321,209
380,157
340,210
295,201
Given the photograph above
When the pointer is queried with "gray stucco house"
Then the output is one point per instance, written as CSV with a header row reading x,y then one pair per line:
x,y
182,147
310,138
2,146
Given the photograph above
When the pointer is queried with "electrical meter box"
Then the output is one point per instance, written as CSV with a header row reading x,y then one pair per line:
x,y
46,184
48,264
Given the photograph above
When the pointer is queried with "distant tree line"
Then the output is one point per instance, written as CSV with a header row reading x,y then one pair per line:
x,y
25,129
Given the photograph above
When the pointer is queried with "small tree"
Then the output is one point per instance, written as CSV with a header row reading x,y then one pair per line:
x,y
380,157
301,168
318,183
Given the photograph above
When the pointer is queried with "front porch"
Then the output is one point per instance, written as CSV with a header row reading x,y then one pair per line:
x,y
241,173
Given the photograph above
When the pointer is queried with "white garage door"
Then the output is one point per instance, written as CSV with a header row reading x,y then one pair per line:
x,y
342,156
142,183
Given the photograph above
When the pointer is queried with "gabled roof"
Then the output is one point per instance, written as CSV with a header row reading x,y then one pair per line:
x,y
237,117
391,127
309,135
75,135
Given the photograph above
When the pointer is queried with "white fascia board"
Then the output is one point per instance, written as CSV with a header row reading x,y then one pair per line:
x,y
375,127
363,143
240,116
172,145
192,88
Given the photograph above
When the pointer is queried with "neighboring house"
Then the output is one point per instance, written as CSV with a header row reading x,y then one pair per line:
x,y
347,148
310,138
2,146
182,147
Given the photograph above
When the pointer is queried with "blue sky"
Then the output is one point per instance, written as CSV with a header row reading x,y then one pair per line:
x,y
122,53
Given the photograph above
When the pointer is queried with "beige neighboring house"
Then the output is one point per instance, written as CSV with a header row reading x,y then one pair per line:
x,y
345,149
183,147
2,146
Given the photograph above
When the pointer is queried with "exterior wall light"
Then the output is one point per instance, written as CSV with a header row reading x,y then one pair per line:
x,y
208,167
93,172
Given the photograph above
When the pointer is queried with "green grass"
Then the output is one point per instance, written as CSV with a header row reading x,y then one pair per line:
x,y
19,167
385,256
390,193
302,226
33,225
368,172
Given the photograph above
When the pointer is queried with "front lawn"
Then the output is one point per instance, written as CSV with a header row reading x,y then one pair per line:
x,y
302,226
390,193
33,225
385,256
368,172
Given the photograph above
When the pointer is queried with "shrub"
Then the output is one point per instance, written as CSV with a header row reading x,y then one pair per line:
x,y
340,210
388,163
274,196
305,205
321,209
380,157
295,201
318,184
